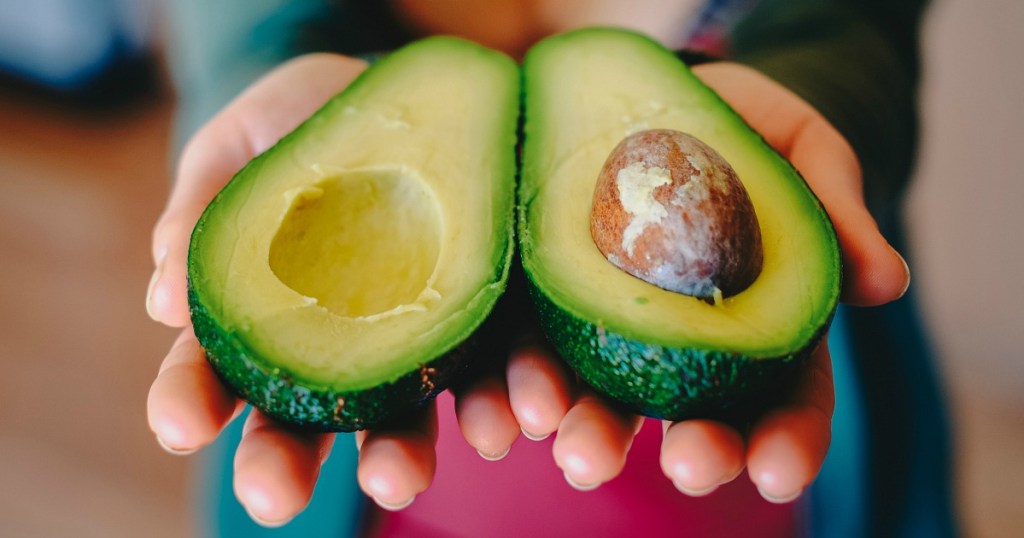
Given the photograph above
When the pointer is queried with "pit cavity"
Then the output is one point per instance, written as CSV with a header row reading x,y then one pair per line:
x,y
362,243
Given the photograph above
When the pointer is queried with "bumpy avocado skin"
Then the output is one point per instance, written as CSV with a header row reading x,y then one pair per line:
x,y
670,383
287,398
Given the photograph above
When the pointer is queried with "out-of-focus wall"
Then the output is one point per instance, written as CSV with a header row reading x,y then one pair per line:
x,y
967,205
967,227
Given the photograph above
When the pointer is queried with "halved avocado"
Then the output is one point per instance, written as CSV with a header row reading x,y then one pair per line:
x,y
658,352
334,278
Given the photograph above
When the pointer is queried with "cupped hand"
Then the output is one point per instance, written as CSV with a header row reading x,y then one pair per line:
x,y
785,448
276,467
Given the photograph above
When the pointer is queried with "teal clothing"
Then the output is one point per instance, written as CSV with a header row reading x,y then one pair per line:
x,y
888,469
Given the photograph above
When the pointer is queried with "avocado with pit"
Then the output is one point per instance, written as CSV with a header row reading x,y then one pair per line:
x,y
729,346
334,282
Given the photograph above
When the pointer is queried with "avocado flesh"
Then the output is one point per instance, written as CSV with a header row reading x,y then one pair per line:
x,y
333,279
659,352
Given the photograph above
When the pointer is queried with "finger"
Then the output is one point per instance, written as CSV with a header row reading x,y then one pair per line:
x,y
276,469
485,418
700,455
398,463
249,125
188,406
593,441
539,391
874,273
788,446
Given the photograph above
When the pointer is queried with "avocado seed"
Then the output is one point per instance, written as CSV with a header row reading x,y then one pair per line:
x,y
670,210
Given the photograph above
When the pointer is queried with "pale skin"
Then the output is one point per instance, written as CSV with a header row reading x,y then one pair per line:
x,y
277,467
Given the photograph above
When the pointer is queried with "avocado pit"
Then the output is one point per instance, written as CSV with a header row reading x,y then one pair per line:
x,y
670,210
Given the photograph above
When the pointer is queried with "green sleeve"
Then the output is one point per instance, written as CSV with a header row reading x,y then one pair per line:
x,y
856,61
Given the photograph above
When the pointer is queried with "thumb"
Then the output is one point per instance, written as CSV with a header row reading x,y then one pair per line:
x,y
874,272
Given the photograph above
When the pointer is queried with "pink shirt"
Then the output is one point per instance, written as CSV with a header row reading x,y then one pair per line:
x,y
525,495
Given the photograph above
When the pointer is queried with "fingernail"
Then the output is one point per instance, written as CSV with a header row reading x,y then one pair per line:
x,y
580,487
494,457
264,523
533,437
160,255
175,451
393,507
153,280
778,500
694,492
906,272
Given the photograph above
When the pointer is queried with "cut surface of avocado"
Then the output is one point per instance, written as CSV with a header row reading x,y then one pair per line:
x,y
334,278
661,353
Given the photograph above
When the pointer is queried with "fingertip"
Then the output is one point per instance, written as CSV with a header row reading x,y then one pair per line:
x,y
494,456
875,273
779,500
261,503
276,469
700,455
899,281
263,522
538,391
169,437
394,507
393,471
592,442
485,418
179,430
568,475
166,298
187,405
786,451
398,464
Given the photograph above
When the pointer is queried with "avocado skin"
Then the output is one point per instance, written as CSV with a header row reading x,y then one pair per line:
x,y
668,382
287,398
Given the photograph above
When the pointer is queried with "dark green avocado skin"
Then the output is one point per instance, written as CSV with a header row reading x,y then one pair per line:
x,y
665,382
285,397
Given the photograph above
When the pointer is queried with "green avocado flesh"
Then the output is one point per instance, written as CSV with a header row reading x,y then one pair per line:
x,y
661,353
335,279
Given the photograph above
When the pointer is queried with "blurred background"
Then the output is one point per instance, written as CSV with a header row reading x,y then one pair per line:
x,y
85,159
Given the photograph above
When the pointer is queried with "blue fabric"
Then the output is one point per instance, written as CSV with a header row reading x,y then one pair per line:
x,y
910,450
838,498
888,472
67,44
334,511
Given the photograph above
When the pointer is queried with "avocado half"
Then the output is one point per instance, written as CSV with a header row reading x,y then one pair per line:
x,y
334,280
658,352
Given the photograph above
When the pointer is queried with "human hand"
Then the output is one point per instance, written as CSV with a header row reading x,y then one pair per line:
x,y
784,450
276,467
